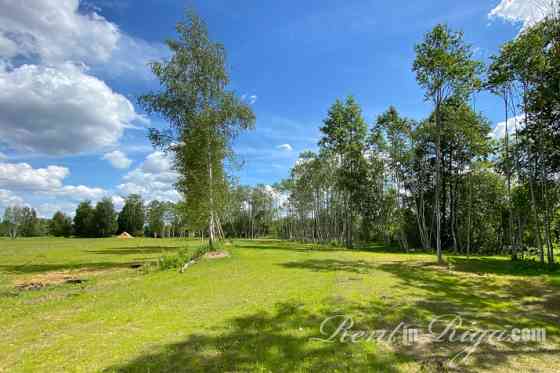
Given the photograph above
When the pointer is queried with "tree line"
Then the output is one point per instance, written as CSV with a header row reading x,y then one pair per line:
x,y
157,219
440,182
250,212
444,182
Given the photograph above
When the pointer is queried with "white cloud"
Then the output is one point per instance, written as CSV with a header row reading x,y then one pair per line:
x,y
8,48
60,110
7,199
157,162
118,159
130,59
514,124
47,210
55,31
43,187
280,198
285,147
80,193
3,156
154,179
118,202
21,176
251,99
526,12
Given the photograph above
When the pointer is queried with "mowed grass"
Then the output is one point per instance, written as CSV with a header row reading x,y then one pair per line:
x,y
259,309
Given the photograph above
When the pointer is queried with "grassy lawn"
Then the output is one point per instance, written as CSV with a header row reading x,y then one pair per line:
x,y
259,309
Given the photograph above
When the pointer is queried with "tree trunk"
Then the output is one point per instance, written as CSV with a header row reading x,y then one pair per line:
x,y
438,184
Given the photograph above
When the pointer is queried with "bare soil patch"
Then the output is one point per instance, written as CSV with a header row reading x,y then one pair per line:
x,y
40,281
216,255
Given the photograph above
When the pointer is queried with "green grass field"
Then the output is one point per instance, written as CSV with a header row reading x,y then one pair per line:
x,y
259,309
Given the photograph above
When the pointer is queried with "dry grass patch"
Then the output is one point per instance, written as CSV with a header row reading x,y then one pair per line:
x,y
39,281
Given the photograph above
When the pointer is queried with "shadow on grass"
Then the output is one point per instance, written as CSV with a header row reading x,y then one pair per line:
x,y
134,250
38,268
484,303
308,247
279,341
501,266
330,265
475,292
283,341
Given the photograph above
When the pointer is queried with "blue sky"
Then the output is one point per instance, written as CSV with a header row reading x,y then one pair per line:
x,y
71,128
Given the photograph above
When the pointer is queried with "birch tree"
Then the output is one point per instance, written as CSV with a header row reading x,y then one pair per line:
x,y
203,118
444,68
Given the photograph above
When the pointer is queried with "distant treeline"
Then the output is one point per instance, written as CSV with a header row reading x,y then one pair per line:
x,y
249,212
156,219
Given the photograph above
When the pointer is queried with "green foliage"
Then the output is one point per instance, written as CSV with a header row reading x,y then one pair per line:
x,y
444,66
445,69
344,137
178,260
204,117
84,220
21,222
132,216
250,211
104,218
155,214
60,225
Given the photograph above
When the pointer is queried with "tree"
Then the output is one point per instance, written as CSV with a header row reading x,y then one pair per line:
x,y
394,137
84,220
60,225
13,219
30,225
155,214
527,69
344,135
105,218
444,68
132,216
204,117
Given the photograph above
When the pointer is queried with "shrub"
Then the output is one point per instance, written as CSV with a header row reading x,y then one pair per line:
x,y
177,261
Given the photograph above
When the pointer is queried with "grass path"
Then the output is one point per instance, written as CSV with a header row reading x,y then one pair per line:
x,y
258,309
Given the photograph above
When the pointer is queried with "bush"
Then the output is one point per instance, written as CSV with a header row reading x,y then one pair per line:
x,y
184,256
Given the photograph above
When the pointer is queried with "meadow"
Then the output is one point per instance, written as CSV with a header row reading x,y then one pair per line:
x,y
93,305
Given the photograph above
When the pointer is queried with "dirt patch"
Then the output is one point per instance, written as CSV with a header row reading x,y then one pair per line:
x,y
40,281
216,255
30,286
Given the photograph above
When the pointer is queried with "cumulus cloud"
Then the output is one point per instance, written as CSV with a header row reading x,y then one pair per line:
x,y
525,12
118,202
118,159
7,199
157,163
21,176
154,179
55,31
47,210
80,193
47,182
285,147
514,124
60,110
